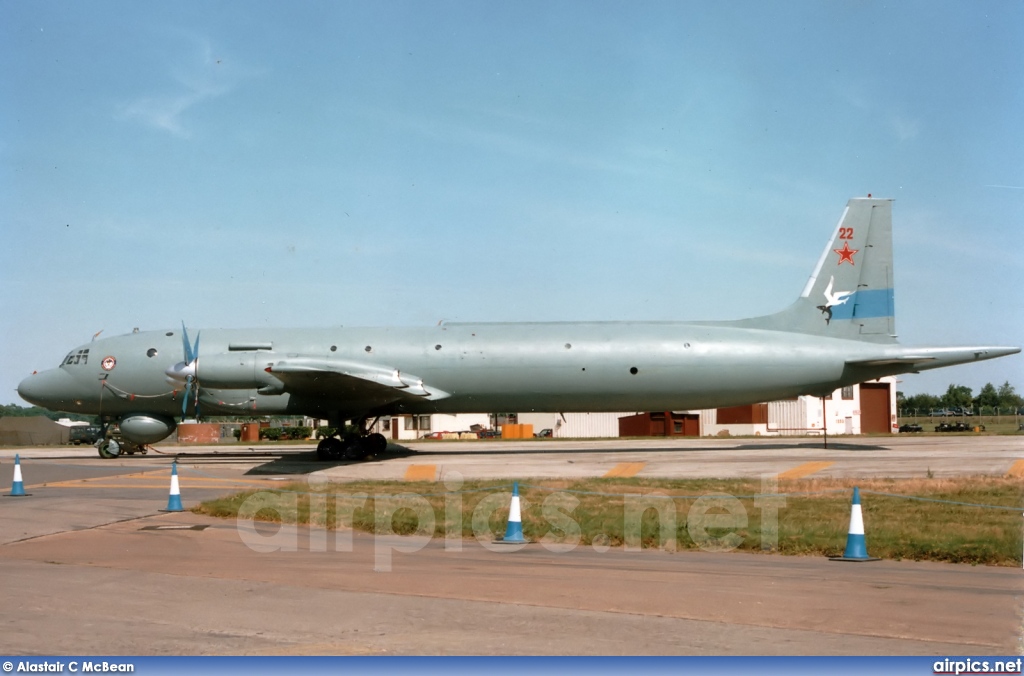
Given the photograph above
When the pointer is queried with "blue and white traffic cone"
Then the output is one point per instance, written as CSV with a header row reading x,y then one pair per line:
x,y
174,499
856,545
17,486
514,529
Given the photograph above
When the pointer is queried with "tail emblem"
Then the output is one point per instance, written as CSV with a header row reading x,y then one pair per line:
x,y
846,253
832,299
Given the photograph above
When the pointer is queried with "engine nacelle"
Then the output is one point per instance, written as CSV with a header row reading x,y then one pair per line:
x,y
228,371
146,429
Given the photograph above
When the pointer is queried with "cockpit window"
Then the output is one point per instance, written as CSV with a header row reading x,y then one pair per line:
x,y
75,358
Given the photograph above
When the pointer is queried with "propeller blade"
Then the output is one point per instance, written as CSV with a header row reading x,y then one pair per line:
x,y
186,346
185,397
191,351
197,396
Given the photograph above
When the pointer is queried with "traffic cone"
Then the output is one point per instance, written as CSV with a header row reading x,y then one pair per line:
x,y
856,545
17,486
514,530
174,499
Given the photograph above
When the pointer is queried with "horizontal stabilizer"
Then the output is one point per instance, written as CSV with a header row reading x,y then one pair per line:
x,y
926,358
889,361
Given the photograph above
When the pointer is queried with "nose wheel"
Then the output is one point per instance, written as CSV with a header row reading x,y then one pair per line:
x,y
109,448
113,445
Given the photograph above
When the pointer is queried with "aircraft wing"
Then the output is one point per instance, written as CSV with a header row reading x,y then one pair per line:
x,y
349,379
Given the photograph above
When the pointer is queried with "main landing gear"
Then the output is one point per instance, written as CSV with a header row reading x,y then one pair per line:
x,y
351,445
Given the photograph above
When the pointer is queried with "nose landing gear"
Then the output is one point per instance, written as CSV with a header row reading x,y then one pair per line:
x,y
113,444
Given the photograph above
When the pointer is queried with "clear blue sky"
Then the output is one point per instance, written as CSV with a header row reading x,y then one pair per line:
x,y
236,164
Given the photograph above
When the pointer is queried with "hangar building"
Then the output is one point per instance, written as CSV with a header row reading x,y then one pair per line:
x,y
867,408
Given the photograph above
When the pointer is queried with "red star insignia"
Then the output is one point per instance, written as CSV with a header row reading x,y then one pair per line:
x,y
846,254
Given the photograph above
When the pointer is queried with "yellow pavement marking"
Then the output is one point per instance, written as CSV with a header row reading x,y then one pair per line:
x,y
624,470
806,469
1017,469
165,486
421,473
93,480
132,481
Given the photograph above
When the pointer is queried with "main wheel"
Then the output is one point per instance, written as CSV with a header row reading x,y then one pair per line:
x,y
329,448
352,447
376,443
109,448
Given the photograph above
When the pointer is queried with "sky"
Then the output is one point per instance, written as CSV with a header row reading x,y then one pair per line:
x,y
261,164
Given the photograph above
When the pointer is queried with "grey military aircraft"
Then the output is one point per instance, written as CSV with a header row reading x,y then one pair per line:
x,y
839,331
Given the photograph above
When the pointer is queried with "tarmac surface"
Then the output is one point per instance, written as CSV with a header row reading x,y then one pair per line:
x,y
89,564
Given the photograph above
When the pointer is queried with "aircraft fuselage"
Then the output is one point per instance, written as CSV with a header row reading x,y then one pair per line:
x,y
615,366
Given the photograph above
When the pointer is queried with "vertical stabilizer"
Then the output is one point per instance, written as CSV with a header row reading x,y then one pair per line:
x,y
850,293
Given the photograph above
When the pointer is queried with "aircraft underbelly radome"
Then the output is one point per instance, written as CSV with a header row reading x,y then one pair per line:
x,y
840,331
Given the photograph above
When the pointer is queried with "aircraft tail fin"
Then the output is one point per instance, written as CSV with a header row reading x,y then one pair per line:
x,y
850,293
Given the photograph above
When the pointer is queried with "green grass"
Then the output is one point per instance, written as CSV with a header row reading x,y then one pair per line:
x,y
816,524
811,525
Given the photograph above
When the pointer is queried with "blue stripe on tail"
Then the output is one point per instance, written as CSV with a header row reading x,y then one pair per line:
x,y
866,304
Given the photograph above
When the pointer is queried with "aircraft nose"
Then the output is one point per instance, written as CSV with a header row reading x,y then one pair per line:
x,y
48,389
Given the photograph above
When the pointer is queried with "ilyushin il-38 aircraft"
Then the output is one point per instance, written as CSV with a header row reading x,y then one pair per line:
x,y
839,331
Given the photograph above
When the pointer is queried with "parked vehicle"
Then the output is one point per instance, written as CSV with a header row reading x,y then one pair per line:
x,y
910,427
81,434
488,434
959,426
546,432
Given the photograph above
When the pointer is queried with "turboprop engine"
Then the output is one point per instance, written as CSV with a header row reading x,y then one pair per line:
x,y
226,371
243,368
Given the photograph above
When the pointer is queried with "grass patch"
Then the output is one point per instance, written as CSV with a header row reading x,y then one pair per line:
x,y
812,520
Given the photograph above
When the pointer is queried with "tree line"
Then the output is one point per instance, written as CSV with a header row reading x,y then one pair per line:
x,y
991,400
15,411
